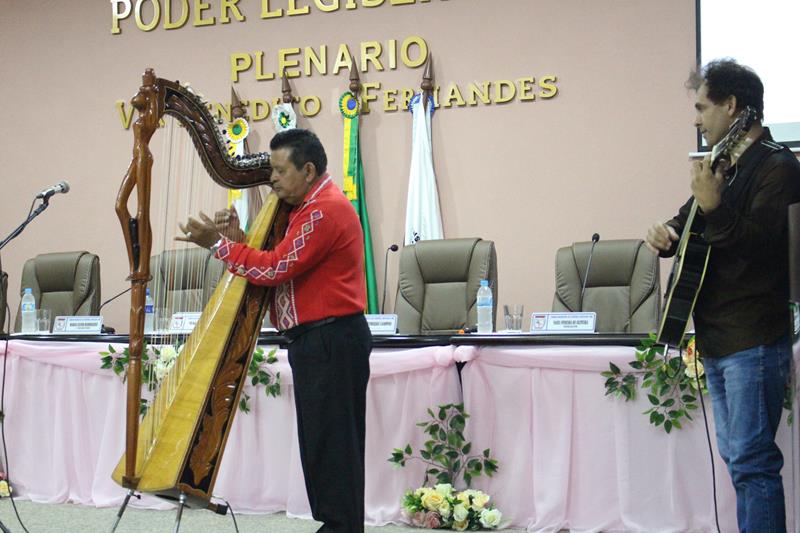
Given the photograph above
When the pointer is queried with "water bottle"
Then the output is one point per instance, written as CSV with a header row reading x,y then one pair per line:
x,y
485,307
149,312
28,311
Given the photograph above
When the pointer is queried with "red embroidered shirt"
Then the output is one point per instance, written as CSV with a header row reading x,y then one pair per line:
x,y
318,267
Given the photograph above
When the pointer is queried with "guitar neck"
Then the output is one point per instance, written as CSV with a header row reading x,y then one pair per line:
x,y
687,228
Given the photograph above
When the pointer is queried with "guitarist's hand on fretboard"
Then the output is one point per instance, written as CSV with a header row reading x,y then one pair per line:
x,y
707,186
660,237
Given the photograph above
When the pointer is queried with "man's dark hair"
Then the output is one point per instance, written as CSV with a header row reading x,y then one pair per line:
x,y
305,148
726,77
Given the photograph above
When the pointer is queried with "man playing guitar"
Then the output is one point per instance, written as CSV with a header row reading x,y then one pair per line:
x,y
741,314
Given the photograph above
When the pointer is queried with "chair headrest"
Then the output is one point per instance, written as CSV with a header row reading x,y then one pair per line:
x,y
55,272
612,262
445,260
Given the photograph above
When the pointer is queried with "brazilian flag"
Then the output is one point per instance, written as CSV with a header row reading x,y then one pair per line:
x,y
354,189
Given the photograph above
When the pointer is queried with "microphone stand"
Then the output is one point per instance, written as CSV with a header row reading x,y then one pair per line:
x,y
595,238
104,328
31,215
392,248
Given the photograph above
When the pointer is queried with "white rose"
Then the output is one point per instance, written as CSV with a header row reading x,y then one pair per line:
x,y
445,489
460,513
168,354
491,518
160,369
445,509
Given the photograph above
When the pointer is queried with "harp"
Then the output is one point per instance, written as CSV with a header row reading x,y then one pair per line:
x,y
176,449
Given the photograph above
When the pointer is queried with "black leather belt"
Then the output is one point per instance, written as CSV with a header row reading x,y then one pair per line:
x,y
293,333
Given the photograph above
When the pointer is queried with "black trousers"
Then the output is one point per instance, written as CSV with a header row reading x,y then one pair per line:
x,y
330,368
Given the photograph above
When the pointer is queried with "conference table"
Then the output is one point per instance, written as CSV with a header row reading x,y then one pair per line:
x,y
569,456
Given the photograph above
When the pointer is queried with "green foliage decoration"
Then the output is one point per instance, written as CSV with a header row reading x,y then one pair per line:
x,y
670,382
446,452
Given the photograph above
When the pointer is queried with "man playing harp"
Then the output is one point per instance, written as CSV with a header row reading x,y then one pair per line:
x,y
320,295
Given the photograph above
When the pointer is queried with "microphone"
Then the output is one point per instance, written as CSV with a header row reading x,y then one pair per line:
x,y
392,248
595,238
60,187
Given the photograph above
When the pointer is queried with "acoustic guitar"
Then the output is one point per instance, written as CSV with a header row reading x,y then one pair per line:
x,y
691,258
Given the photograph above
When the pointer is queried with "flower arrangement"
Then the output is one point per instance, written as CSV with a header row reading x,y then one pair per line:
x,y
158,361
441,507
5,488
673,383
153,367
447,456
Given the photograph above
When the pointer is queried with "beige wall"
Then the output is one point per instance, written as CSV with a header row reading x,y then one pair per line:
x,y
608,154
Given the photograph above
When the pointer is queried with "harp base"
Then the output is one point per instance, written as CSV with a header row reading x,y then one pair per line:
x,y
122,508
130,482
181,505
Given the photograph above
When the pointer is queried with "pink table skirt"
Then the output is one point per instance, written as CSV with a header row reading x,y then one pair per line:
x,y
575,459
569,456
65,430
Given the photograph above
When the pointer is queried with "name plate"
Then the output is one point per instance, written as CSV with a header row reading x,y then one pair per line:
x,y
551,323
183,322
382,324
77,325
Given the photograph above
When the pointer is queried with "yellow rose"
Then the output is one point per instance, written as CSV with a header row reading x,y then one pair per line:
x,y
5,488
422,491
464,495
460,526
690,370
479,500
432,500
473,498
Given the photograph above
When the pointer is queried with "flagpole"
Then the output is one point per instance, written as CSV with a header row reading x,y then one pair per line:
x,y
427,81
286,91
423,211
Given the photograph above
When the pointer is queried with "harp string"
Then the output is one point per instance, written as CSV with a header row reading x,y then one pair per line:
x,y
181,188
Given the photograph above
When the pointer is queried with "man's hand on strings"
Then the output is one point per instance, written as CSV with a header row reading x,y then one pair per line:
x,y
227,223
202,232
707,186
660,237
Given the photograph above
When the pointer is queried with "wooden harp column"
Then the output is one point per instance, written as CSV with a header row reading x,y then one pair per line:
x,y
183,454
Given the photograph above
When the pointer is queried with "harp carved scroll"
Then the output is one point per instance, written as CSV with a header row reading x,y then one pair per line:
x,y
177,448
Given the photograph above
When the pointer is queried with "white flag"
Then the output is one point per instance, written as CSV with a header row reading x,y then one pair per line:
x,y
423,216
236,132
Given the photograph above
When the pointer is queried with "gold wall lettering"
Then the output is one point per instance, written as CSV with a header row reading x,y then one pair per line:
x,y
296,62
391,99
149,14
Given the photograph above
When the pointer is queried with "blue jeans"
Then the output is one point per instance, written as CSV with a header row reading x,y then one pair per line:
x,y
747,390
